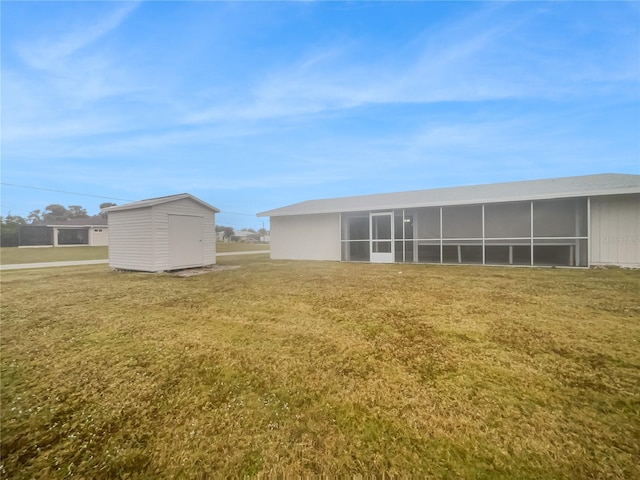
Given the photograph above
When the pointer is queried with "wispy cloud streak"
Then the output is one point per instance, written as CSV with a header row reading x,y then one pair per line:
x,y
285,100
50,54
480,58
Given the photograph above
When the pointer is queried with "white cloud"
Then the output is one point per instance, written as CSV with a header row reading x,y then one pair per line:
x,y
48,53
486,56
59,99
473,60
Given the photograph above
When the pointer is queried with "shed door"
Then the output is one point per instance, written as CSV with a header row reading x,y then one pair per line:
x,y
185,241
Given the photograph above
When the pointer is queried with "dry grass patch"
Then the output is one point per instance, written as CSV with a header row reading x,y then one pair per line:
x,y
15,255
299,368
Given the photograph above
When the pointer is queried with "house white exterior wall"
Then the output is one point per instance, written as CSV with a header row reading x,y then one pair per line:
x,y
306,237
140,239
98,236
615,230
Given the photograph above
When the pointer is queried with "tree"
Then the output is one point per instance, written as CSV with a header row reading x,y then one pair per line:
x,y
58,213
228,231
77,211
35,216
55,213
105,205
12,220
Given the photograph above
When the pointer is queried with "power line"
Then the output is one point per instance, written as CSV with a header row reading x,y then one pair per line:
x,y
236,213
63,191
98,196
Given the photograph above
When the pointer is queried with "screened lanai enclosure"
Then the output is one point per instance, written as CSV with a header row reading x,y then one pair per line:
x,y
91,231
582,221
541,232
31,236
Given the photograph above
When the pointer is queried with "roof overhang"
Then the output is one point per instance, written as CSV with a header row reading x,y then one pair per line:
x,y
568,187
159,201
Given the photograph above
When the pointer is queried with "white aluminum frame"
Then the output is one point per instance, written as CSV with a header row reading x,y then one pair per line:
x,y
530,240
382,257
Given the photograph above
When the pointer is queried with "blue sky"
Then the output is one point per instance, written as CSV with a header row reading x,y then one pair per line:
x,y
253,106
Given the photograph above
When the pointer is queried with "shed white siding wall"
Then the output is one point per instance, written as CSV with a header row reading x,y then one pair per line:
x,y
306,237
615,230
184,206
130,240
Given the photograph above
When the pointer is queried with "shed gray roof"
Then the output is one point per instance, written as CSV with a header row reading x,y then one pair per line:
x,y
150,202
587,185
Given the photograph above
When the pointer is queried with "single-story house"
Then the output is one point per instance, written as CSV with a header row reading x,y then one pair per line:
x,y
90,231
574,221
244,236
162,234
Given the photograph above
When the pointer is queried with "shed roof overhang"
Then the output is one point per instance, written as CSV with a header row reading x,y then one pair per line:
x,y
150,202
567,187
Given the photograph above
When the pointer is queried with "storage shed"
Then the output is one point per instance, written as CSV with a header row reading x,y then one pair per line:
x,y
161,234
574,221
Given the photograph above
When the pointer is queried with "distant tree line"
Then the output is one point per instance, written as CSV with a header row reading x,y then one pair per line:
x,y
10,225
230,234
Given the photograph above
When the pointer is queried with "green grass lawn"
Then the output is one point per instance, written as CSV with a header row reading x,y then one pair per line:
x,y
240,247
15,255
321,368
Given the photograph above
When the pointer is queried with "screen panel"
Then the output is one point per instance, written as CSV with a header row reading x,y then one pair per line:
x,y
507,220
560,218
464,221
